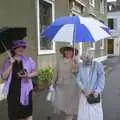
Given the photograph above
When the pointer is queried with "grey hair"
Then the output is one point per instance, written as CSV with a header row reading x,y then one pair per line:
x,y
87,52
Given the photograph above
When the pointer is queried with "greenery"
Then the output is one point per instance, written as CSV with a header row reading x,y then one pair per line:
x,y
44,76
85,44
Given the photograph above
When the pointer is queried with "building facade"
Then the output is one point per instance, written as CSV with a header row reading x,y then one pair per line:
x,y
113,22
36,15
57,8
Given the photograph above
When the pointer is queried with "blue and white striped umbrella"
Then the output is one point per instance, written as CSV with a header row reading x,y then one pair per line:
x,y
76,29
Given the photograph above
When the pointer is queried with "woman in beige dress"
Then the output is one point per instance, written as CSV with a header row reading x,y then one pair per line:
x,y
67,95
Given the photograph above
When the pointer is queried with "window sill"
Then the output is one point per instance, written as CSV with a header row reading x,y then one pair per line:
x,y
46,52
92,48
102,48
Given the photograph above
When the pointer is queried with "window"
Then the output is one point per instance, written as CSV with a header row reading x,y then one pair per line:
x,y
101,44
45,16
92,46
112,23
109,7
92,3
77,8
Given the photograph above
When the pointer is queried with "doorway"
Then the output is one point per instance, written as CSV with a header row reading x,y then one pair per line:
x,y
111,46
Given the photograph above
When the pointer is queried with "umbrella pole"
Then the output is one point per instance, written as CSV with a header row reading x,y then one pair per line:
x,y
74,35
73,64
6,50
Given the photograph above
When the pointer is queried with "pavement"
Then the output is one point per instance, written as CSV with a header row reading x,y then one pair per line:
x,y
111,97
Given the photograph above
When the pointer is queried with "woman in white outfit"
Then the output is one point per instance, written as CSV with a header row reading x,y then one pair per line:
x,y
91,80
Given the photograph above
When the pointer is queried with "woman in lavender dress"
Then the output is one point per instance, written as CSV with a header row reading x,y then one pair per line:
x,y
17,74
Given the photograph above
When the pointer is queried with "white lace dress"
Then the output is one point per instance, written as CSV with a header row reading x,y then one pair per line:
x,y
89,111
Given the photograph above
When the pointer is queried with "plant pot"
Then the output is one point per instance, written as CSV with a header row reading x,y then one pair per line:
x,y
41,86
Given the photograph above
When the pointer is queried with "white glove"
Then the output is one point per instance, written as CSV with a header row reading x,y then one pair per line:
x,y
51,88
96,94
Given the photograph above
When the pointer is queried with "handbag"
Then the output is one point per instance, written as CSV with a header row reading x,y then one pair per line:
x,y
91,98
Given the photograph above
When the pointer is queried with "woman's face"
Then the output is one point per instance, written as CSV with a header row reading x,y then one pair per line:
x,y
19,51
68,54
87,59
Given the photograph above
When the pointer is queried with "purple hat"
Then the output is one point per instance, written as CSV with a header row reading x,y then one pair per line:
x,y
19,43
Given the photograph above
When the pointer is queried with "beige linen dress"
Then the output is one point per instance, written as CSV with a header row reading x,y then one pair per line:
x,y
67,91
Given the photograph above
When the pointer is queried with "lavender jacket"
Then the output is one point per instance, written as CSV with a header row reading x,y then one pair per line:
x,y
26,85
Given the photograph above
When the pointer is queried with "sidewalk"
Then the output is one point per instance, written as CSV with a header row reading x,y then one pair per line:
x,y
41,108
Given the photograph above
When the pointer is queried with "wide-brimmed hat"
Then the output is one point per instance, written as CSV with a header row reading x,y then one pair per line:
x,y
68,48
19,43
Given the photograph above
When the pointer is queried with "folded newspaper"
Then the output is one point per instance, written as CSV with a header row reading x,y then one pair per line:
x,y
2,95
51,94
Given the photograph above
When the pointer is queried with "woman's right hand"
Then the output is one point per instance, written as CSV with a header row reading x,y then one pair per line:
x,y
86,93
12,60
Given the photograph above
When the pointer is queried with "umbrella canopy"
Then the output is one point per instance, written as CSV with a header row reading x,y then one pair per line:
x,y
8,35
76,29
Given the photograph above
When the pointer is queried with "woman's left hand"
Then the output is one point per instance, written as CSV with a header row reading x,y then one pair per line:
x,y
23,76
87,93
74,60
95,94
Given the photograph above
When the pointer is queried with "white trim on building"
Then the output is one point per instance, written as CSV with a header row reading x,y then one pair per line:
x,y
92,46
78,1
92,3
41,52
102,45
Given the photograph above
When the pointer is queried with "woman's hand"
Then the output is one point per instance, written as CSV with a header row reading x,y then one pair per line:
x,y
25,75
74,60
13,59
87,93
22,76
95,94
17,58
